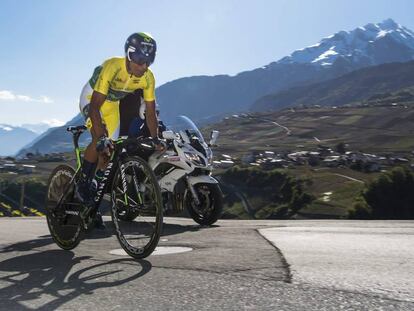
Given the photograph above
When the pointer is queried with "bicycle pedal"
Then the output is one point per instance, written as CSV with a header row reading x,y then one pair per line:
x,y
87,223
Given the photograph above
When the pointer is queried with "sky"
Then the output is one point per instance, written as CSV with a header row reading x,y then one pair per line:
x,y
49,48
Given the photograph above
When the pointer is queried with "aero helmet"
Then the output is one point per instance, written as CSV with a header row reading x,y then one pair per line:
x,y
140,48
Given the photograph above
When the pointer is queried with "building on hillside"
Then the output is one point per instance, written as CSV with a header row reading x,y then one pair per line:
x,y
28,169
10,167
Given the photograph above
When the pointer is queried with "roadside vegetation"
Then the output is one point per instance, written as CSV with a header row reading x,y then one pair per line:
x,y
23,197
390,196
258,194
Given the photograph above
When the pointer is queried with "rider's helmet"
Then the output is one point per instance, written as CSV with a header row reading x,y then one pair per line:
x,y
140,47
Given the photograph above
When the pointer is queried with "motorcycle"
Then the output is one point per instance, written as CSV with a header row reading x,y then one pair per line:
x,y
184,170
184,173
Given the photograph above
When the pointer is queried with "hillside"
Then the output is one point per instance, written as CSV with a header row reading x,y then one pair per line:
x,y
381,129
357,86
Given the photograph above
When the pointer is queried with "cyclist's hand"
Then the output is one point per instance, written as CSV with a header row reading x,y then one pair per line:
x,y
104,146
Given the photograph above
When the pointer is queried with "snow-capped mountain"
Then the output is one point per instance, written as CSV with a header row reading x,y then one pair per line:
x,y
205,96
42,127
12,138
370,45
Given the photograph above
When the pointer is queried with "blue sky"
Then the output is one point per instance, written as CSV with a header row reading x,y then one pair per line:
x,y
49,48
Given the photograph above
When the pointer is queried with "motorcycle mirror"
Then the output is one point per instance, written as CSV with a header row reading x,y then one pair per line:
x,y
213,137
168,135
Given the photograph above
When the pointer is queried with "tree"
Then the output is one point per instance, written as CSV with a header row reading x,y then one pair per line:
x,y
390,196
272,194
340,148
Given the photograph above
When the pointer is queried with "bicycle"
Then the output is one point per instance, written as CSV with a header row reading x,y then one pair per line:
x,y
132,186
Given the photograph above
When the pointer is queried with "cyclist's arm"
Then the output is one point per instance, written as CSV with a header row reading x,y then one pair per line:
x,y
97,101
151,118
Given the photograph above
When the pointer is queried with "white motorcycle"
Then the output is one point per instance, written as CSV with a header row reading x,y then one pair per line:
x,y
184,173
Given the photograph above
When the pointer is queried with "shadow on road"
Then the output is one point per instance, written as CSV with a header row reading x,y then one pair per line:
x,y
51,278
171,229
30,245
57,277
26,246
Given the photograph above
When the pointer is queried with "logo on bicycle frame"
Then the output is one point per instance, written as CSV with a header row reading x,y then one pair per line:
x,y
102,184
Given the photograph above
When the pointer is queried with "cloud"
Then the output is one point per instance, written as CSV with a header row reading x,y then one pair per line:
x,y
24,98
8,95
46,99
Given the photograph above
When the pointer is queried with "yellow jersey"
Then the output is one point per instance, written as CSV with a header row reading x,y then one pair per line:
x,y
113,80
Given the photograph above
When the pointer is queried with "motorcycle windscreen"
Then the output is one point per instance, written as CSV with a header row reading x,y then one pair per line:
x,y
186,127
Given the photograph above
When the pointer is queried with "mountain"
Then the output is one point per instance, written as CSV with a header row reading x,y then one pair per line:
x,y
42,127
357,86
55,139
12,138
208,96
211,97
370,45
339,54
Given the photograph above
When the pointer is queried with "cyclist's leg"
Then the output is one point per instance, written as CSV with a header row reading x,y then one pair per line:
x,y
137,128
90,154
110,117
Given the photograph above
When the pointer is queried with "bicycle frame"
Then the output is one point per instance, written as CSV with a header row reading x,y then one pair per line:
x,y
111,167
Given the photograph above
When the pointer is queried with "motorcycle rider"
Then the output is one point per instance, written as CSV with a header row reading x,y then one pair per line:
x,y
99,104
133,117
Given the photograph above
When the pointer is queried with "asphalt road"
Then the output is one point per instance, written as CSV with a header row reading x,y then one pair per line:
x,y
231,267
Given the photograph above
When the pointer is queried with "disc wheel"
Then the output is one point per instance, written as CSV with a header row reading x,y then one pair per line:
x,y
62,211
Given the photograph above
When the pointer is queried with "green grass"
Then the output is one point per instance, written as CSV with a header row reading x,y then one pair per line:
x,y
319,182
350,120
235,211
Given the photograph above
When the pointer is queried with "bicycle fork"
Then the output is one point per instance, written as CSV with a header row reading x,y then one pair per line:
x,y
128,200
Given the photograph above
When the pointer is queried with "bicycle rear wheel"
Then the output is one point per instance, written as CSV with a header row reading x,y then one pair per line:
x,y
135,190
62,212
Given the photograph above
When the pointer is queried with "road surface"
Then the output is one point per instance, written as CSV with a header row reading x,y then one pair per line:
x,y
230,266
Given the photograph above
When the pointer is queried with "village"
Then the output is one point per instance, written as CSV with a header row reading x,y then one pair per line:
x,y
28,164
323,157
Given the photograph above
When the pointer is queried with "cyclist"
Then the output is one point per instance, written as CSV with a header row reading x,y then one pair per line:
x,y
99,104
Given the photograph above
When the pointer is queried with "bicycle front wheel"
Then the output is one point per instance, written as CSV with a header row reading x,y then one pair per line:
x,y
135,190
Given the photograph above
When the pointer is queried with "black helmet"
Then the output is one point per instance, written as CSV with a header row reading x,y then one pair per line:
x,y
140,48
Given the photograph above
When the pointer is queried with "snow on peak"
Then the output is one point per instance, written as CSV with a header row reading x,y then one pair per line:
x,y
5,128
325,55
53,122
356,44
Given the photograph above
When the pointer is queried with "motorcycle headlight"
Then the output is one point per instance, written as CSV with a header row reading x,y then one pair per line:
x,y
194,158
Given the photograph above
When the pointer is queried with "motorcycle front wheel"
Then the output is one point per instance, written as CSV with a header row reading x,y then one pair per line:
x,y
211,203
